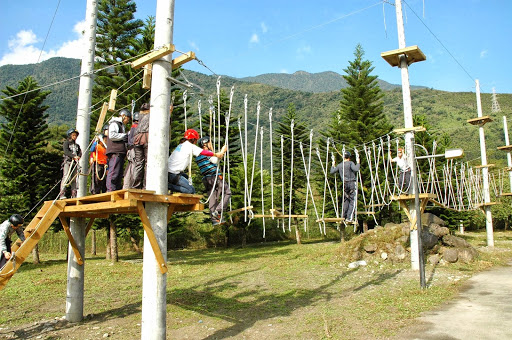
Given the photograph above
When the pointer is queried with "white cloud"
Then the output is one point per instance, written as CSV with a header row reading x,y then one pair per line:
x,y
193,45
254,39
483,54
284,71
22,50
264,28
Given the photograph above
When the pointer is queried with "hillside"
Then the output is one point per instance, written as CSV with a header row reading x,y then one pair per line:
x,y
446,112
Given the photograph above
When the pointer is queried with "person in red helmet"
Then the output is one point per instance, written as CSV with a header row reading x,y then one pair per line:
x,y
181,158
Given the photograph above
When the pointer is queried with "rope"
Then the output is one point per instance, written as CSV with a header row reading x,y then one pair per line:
x,y
291,180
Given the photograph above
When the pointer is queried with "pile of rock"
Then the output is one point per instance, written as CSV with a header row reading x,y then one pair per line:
x,y
392,243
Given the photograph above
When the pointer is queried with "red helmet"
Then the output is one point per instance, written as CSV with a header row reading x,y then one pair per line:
x,y
191,134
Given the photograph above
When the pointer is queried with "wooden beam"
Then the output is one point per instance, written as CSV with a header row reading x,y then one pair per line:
x,y
150,57
506,194
331,219
505,148
146,78
411,197
101,119
111,207
182,59
151,237
89,225
74,246
241,209
411,129
112,102
484,166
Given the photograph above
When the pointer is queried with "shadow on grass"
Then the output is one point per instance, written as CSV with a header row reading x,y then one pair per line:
x,y
26,266
208,299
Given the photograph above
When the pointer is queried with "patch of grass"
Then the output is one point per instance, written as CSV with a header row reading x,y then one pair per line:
x,y
280,290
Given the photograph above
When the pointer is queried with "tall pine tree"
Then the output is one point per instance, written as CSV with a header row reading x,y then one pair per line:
x,y
28,169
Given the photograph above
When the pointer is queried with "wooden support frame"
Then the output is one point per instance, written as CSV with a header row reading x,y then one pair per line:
x,y
331,219
112,101
101,119
182,59
403,199
72,242
506,194
412,53
155,55
146,78
507,148
479,120
250,207
411,129
152,239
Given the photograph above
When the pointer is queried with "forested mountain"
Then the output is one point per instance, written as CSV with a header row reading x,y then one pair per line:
x,y
446,112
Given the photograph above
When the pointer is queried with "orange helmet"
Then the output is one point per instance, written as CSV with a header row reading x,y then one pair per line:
x,y
191,134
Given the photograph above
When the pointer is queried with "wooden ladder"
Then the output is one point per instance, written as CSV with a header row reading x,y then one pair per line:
x,y
33,233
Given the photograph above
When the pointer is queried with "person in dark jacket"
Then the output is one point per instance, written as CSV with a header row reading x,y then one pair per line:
x,y
348,172
72,154
7,228
116,149
130,153
140,145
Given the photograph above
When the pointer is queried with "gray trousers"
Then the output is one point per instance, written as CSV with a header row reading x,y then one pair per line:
x,y
215,204
66,179
349,198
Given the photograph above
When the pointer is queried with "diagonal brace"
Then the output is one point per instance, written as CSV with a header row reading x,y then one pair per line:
x,y
151,237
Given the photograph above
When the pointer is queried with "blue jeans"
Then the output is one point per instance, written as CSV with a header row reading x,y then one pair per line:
x,y
179,183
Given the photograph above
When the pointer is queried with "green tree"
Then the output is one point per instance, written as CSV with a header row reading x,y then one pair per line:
x,y
29,168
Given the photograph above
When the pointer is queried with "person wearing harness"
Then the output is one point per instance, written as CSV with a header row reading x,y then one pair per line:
x,y
180,159
348,171
404,180
116,149
98,162
213,180
72,154
7,228
129,173
140,146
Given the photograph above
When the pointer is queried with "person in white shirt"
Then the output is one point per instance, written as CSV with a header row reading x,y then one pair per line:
x,y
179,161
404,180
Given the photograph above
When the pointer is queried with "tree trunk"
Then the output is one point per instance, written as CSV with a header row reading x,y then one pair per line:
x,y
365,226
35,254
297,233
244,236
506,223
93,242
135,244
113,242
108,253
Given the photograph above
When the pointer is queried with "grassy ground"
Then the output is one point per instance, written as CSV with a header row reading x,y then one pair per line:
x,y
276,291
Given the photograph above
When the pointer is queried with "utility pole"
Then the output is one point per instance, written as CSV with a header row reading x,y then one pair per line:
x,y
509,157
75,286
415,236
485,172
154,282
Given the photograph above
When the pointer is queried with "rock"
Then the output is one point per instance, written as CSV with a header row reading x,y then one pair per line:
x,y
404,239
437,230
400,252
356,264
106,335
389,225
467,255
434,259
406,228
428,218
450,255
454,241
428,239
370,248
384,255
357,255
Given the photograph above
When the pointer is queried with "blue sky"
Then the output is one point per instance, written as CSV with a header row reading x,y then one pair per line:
x,y
243,38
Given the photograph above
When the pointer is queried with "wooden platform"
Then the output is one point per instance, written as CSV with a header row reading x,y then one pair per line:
x,y
479,120
412,53
403,202
130,201
240,210
331,219
481,205
506,194
411,129
505,148
412,197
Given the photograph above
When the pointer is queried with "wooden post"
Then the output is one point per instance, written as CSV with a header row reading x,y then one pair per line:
x,y
112,101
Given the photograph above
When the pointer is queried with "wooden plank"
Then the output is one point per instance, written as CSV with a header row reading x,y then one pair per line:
x,y
505,148
74,246
182,59
151,237
486,204
506,194
331,219
241,209
146,78
411,197
101,119
366,212
484,166
411,129
190,207
479,120
412,53
279,216
150,57
112,101
375,205
111,207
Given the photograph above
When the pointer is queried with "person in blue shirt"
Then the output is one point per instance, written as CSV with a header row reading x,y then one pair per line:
x,y
217,188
